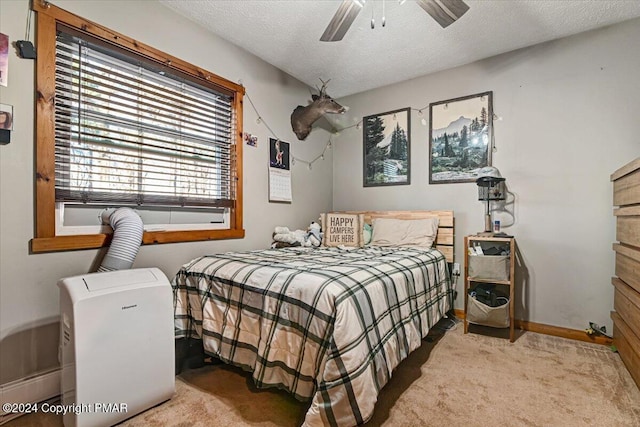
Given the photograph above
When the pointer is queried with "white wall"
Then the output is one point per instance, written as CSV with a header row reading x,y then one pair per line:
x,y
28,292
570,118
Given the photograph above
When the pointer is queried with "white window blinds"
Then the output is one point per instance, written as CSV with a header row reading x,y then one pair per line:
x,y
133,132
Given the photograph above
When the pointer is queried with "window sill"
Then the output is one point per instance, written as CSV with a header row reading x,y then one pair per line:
x,y
95,241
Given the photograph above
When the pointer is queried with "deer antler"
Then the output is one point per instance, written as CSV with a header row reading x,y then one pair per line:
x,y
323,89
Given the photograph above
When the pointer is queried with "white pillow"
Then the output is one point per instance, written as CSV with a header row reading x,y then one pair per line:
x,y
419,233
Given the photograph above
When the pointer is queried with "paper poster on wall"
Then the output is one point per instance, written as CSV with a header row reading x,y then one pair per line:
x,y
6,123
6,116
279,171
4,59
250,140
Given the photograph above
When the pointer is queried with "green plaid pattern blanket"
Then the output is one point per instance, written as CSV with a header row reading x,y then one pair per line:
x,y
326,324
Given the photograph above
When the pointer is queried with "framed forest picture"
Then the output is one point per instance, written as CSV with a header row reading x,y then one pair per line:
x,y
460,138
387,148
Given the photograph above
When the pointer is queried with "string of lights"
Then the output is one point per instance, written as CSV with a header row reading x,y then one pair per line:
x,y
294,159
328,145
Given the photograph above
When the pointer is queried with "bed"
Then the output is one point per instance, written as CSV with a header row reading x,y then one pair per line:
x,y
326,324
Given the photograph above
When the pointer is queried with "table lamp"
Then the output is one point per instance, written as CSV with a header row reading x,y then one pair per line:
x,y
491,187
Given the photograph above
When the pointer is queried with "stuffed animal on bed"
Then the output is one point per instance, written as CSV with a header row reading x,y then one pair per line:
x,y
314,234
283,237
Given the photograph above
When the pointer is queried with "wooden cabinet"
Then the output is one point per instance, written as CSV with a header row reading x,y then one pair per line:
x,y
494,269
626,300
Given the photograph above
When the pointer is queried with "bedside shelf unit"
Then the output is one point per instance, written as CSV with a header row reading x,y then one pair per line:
x,y
508,273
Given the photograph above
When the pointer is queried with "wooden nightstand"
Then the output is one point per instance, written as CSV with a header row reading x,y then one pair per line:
x,y
492,268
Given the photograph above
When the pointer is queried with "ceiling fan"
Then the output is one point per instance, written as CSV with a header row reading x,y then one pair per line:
x,y
445,12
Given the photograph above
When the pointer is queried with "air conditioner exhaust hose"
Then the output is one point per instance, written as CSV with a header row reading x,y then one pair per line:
x,y
127,237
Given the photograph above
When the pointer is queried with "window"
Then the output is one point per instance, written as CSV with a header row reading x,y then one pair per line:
x,y
122,124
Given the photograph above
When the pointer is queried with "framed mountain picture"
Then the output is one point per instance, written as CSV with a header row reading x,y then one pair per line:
x,y
387,148
460,138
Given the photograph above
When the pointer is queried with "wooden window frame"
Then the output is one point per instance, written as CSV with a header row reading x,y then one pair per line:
x,y
45,239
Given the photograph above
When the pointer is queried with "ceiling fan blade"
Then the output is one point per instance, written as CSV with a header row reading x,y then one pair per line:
x,y
445,12
341,21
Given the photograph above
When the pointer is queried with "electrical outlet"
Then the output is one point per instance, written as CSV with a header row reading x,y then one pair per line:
x,y
456,269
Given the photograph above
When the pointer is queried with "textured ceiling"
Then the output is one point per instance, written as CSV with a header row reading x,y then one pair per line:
x,y
286,34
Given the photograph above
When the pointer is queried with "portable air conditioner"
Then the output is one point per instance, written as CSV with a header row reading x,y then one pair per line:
x,y
116,345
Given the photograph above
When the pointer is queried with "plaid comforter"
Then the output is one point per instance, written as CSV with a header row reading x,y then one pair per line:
x,y
326,324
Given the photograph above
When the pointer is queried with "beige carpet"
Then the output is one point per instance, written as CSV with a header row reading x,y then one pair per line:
x,y
456,380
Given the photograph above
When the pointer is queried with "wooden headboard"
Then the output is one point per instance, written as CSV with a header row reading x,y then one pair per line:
x,y
446,234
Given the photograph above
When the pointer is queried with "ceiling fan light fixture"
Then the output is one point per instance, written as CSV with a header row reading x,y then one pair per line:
x,y
445,12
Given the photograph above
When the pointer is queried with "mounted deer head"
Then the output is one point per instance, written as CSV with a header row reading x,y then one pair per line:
x,y
303,117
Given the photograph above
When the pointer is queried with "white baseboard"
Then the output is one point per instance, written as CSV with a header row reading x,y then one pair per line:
x,y
30,390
